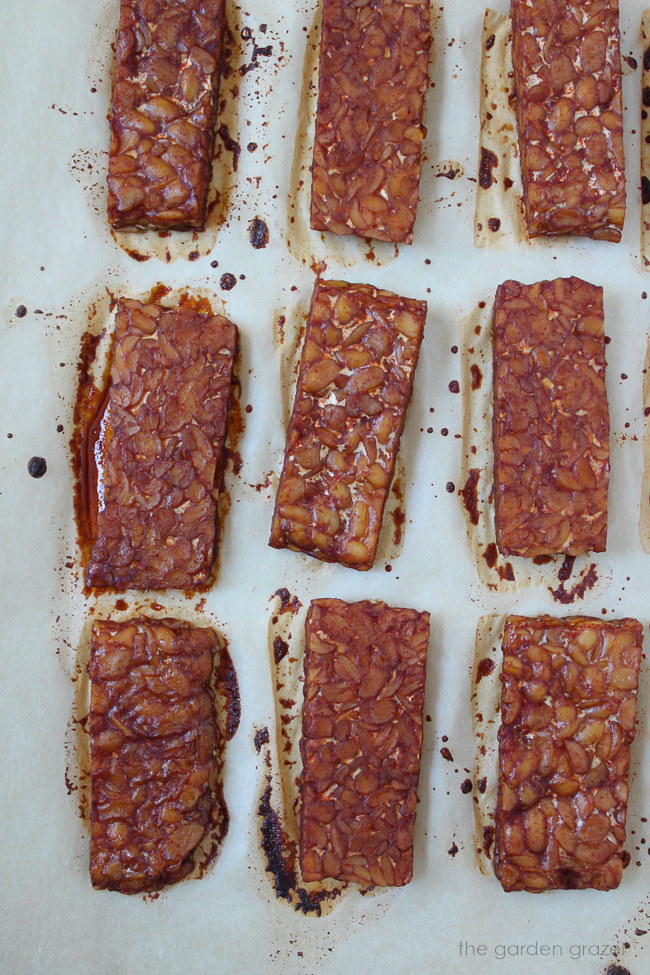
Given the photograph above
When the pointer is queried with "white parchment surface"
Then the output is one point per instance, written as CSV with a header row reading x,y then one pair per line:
x,y
62,264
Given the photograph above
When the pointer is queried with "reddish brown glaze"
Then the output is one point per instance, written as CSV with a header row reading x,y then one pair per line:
x,y
374,71
163,112
361,741
551,420
153,738
355,382
159,452
568,86
568,708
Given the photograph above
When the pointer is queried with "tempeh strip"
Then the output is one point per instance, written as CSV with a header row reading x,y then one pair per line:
x,y
568,709
551,420
361,741
567,65
152,739
355,382
159,453
163,112
374,71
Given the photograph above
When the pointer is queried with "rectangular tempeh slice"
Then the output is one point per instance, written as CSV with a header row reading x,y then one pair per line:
x,y
163,112
361,740
551,420
568,711
152,744
354,386
374,71
159,453
567,66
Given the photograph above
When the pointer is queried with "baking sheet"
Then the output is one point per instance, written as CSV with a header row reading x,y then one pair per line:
x,y
62,264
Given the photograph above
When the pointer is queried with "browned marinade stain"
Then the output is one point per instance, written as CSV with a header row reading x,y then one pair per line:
x,y
476,376
281,861
469,494
280,649
288,603
488,162
261,738
488,839
491,555
230,144
485,667
578,590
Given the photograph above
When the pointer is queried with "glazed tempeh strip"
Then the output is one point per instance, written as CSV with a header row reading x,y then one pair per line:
x,y
567,66
152,739
159,453
163,112
568,710
551,420
374,71
361,741
354,386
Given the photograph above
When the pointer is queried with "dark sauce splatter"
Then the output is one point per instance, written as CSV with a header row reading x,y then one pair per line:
x,y
469,495
476,376
631,61
617,970
136,255
489,44
280,649
36,466
288,603
487,164
227,687
280,853
493,224
453,850
21,311
454,386
227,281
261,738
450,487
645,190
485,667
446,754
566,568
588,581
542,559
506,572
488,839
466,786
481,785
258,233
490,555
230,144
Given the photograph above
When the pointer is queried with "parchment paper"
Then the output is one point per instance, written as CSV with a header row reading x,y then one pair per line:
x,y
62,264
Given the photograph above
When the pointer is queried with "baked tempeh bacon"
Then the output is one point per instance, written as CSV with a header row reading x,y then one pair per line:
x,y
568,710
160,445
152,743
551,419
354,386
374,71
163,112
361,741
567,67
